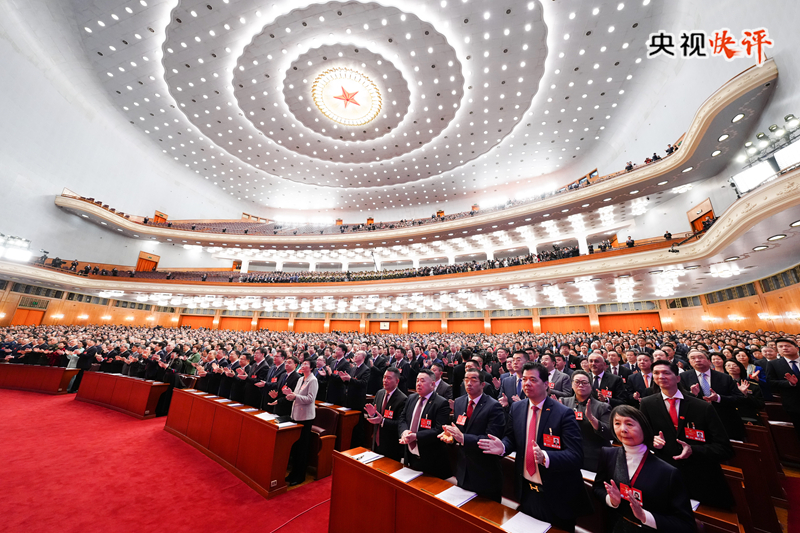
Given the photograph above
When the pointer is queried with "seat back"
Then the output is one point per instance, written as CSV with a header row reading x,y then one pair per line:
x,y
325,421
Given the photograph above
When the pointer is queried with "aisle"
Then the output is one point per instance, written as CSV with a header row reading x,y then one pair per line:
x,y
74,467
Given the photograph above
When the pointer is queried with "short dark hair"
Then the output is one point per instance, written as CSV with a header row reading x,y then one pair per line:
x,y
475,371
440,366
295,359
581,373
646,354
628,411
663,362
538,367
785,339
520,352
393,370
427,373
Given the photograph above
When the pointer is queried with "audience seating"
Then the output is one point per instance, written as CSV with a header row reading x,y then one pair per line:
x,y
323,440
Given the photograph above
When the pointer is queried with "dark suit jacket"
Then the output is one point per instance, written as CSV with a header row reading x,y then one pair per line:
x,y
379,366
614,384
593,440
432,451
390,436
256,372
86,359
701,471
357,387
284,406
458,378
636,384
790,396
563,483
405,373
622,372
663,493
730,398
337,390
477,471
445,390
508,386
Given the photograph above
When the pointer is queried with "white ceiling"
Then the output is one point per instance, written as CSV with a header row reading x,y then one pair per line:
x,y
498,93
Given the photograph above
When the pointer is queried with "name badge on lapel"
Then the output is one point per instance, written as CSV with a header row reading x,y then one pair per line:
x,y
274,380
552,441
605,393
626,492
425,423
578,415
388,414
551,385
695,434
462,419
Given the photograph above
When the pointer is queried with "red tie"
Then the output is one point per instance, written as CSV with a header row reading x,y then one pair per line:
x,y
530,456
614,370
673,411
470,407
378,427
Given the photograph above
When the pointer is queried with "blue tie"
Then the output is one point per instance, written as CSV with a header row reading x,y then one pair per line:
x,y
794,368
704,385
519,386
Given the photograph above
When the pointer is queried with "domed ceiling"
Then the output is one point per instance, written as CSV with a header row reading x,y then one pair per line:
x,y
368,106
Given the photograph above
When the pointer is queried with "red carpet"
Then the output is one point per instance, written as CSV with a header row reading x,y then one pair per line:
x,y
74,467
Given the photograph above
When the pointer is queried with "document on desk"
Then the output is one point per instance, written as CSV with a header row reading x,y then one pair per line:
x,y
456,496
343,409
189,390
513,455
249,410
267,416
325,404
236,405
285,424
367,457
522,523
406,474
223,400
695,504
588,475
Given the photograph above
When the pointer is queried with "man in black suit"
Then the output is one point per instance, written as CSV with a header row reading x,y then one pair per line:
x,y
403,367
690,436
255,379
592,417
377,363
440,386
289,378
337,389
641,384
476,417
608,388
616,368
641,346
424,417
385,413
85,360
275,376
718,389
783,374
547,440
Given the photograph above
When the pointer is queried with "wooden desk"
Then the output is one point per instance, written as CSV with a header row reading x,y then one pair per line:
x,y
404,507
252,449
46,379
344,428
132,396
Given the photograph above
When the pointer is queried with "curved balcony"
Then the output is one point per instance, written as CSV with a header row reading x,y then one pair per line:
x,y
746,93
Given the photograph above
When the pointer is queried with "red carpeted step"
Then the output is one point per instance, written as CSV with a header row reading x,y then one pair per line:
x,y
69,467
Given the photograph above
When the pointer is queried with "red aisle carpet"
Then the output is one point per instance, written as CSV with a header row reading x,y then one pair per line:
x,y
68,466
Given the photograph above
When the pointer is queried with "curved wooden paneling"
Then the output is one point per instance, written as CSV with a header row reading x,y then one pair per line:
x,y
465,326
511,325
630,322
302,325
274,324
565,324
424,326
345,325
197,321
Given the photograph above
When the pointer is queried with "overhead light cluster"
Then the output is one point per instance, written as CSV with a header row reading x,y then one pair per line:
x,y
668,280
15,248
725,270
775,142
554,294
639,206
586,289
623,288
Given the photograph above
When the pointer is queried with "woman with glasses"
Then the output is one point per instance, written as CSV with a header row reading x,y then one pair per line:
x,y
592,416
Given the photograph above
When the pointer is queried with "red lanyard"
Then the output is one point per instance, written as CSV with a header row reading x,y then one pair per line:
x,y
639,469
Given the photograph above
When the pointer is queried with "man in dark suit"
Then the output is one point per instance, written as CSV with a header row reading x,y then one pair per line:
x,y
255,380
641,346
641,384
592,417
404,368
616,368
357,380
690,436
275,376
476,417
289,378
607,387
440,386
337,389
549,482
511,384
425,415
377,363
783,374
718,389
85,360
384,413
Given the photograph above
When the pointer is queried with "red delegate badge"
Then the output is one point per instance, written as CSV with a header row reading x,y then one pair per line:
x,y
626,492
578,415
552,441
462,419
425,423
696,434
388,414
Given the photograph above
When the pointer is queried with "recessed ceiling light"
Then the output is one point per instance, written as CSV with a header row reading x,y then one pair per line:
x,y
103,223
85,216
777,237
693,267
795,224
723,137
606,199
663,182
687,169
656,271
737,118
734,258
759,248
635,191
715,153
